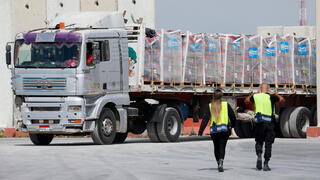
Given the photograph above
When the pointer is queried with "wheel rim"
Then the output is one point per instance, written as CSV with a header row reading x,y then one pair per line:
x,y
172,125
107,127
304,123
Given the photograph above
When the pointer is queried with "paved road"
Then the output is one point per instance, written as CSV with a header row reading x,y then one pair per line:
x,y
192,158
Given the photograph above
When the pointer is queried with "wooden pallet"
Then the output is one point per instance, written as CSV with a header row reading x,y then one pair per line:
x,y
191,84
153,82
171,84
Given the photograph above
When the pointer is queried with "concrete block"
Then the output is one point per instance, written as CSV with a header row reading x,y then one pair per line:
x,y
313,132
269,30
56,7
27,15
98,5
139,9
10,132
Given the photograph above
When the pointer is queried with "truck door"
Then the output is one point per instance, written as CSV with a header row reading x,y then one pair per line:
x,y
110,67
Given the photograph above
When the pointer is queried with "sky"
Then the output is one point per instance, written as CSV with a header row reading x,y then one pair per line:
x,y
229,16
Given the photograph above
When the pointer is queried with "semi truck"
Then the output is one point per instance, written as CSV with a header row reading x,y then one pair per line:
x,y
77,77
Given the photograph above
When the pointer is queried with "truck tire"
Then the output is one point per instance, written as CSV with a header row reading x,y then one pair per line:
x,y
105,128
299,121
169,129
284,121
152,131
238,129
314,121
41,139
120,137
313,111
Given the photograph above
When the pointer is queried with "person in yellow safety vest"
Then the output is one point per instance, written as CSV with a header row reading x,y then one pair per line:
x,y
264,120
221,118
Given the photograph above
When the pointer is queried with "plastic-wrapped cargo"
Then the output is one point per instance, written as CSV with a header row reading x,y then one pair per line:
x,y
233,54
152,68
254,55
313,61
285,50
247,65
193,71
228,49
172,57
268,59
302,52
212,58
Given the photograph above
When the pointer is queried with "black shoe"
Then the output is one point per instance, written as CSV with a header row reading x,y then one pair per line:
x,y
259,162
220,165
266,166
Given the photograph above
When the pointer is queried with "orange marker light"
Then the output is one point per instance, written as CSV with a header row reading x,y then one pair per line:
x,y
78,121
61,25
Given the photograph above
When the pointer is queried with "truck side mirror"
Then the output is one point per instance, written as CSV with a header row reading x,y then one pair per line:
x,y
96,53
8,54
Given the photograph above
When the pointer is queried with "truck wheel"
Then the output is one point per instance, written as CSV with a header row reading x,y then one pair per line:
x,y
170,128
284,122
120,137
41,139
105,130
238,129
299,121
314,121
152,131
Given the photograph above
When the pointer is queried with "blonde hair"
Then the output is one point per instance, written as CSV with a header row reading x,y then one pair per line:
x,y
216,104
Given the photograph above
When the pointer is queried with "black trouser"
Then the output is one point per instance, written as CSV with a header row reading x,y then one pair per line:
x,y
264,133
220,142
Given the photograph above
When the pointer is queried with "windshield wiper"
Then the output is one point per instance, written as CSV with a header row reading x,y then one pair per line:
x,y
27,66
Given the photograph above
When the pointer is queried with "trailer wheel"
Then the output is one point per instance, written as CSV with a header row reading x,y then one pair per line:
x,y
299,121
105,130
41,139
170,128
120,137
313,121
284,121
238,129
152,131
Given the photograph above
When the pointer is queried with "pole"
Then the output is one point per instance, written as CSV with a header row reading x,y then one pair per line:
x,y
318,58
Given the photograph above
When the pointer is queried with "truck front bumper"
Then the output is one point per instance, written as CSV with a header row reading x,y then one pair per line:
x,y
53,115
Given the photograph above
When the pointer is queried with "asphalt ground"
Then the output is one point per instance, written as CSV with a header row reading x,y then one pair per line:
x,y
190,158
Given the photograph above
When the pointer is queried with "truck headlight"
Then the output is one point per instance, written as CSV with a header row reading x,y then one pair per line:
x,y
74,108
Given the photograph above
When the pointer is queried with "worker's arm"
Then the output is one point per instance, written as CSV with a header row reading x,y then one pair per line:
x,y
281,99
231,116
247,100
204,121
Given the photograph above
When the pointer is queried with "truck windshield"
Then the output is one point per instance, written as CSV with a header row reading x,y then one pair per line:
x,y
46,55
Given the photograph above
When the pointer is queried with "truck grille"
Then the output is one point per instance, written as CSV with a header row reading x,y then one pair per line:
x,y
54,83
45,121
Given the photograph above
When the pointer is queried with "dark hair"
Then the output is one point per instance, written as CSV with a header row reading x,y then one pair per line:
x,y
217,94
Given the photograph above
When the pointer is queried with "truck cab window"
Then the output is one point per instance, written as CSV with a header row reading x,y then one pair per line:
x,y
89,55
105,51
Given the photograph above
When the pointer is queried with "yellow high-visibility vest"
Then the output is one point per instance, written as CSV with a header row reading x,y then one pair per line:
x,y
262,108
222,125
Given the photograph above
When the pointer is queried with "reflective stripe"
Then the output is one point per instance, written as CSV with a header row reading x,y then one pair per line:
x,y
219,128
259,118
222,126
